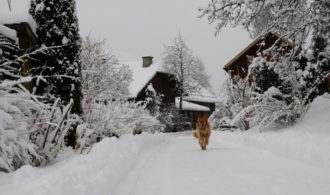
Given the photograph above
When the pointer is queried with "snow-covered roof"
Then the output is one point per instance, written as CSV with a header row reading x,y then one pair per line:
x,y
18,14
259,39
188,106
16,18
7,32
141,76
202,95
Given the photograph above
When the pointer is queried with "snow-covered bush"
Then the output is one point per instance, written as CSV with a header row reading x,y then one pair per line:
x,y
31,132
279,98
16,111
240,93
116,118
50,128
220,118
271,110
172,119
25,121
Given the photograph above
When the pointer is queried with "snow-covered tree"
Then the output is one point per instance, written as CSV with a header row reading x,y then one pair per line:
x,y
188,68
153,100
103,79
220,118
259,16
199,73
240,93
57,24
305,23
106,112
298,75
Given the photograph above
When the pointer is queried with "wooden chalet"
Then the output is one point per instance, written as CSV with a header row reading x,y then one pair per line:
x,y
21,33
239,65
146,74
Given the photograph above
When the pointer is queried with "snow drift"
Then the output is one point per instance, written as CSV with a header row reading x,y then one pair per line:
x,y
96,173
308,140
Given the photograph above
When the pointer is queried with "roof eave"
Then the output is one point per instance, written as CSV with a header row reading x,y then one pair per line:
x,y
256,41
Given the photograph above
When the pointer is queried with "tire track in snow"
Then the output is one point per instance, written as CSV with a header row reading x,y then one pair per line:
x,y
128,183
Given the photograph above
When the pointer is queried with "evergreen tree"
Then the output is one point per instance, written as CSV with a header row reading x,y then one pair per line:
x,y
57,24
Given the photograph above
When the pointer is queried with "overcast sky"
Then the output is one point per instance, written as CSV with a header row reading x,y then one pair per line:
x,y
134,28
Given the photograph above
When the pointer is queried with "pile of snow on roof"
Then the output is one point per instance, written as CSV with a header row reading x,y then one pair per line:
x,y
141,76
202,95
18,14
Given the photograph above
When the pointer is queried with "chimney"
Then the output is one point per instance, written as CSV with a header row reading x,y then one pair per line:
x,y
147,61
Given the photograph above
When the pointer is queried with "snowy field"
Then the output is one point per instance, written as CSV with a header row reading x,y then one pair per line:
x,y
293,161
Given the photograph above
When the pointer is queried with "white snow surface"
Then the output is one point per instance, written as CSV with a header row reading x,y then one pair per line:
x,y
141,76
9,33
188,106
293,161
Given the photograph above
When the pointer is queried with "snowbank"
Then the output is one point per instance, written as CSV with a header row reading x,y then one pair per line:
x,y
308,141
96,173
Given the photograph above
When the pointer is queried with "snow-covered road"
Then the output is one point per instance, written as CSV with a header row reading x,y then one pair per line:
x,y
235,163
179,167
291,161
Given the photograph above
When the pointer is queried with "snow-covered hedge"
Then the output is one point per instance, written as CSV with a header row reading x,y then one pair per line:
x,y
220,118
30,132
116,118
